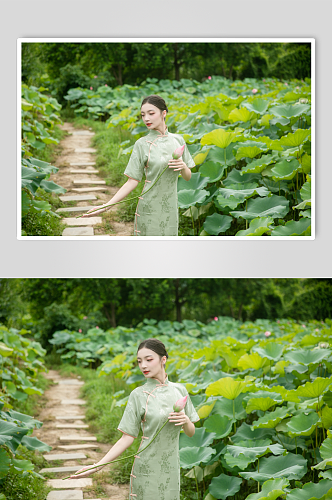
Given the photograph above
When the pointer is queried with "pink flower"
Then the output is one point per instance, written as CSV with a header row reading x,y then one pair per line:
x,y
209,77
267,334
297,87
178,152
263,79
316,330
215,318
91,88
278,320
254,91
106,85
303,326
97,327
80,330
180,404
95,76
286,84
85,317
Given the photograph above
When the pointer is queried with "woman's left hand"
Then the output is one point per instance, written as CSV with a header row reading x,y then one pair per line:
x,y
178,418
176,164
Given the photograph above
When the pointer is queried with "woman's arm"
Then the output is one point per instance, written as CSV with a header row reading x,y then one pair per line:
x,y
180,165
119,447
127,188
180,418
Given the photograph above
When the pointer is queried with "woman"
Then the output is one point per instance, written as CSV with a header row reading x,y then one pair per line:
x,y
156,471
157,211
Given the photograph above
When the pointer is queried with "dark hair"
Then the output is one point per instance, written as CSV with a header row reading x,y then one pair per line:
x,y
155,345
157,101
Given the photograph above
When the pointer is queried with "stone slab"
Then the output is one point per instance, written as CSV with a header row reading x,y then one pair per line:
x,y
82,163
85,150
69,483
82,132
88,221
70,447
74,209
73,402
84,171
87,181
70,381
64,456
73,468
70,417
72,426
78,197
88,189
77,437
78,231
65,495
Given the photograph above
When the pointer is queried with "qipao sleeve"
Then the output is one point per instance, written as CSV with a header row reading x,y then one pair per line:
x,y
189,409
186,156
135,167
131,418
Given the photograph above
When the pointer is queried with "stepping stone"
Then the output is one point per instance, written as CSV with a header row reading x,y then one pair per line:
x,y
72,381
69,483
88,181
65,495
73,468
85,190
78,231
77,446
77,437
72,426
82,163
65,456
73,402
88,221
74,209
71,417
85,150
84,171
78,197
82,132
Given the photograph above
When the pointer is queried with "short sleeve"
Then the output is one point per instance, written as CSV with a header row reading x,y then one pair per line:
x,y
187,158
189,409
135,167
131,418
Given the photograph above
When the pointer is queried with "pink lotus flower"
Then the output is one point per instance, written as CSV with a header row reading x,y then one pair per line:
x,y
254,91
178,152
106,85
91,88
85,317
286,84
267,334
316,330
297,87
263,79
97,327
180,404
95,76
215,318
209,77
278,320
303,326
80,330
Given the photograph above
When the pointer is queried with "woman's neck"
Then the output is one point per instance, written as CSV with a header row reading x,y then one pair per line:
x,y
161,378
162,129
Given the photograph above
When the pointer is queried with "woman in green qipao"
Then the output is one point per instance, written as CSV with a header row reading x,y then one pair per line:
x,y
157,210
156,471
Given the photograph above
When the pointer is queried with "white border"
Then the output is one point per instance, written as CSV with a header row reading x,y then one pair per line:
x,y
167,40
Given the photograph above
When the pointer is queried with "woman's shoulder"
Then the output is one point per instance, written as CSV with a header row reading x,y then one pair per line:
x,y
177,136
180,387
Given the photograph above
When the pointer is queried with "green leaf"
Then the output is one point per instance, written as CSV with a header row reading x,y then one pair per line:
x,y
224,406
314,389
272,206
255,449
254,360
196,182
4,464
32,443
257,166
306,357
230,202
293,228
303,425
189,197
271,420
189,457
327,417
326,448
247,152
224,486
243,191
5,351
262,404
246,433
312,491
289,466
200,439
218,137
226,387
213,171
258,105
257,227
272,351
215,224
285,170
271,490
288,111
296,139
241,114
220,425
52,187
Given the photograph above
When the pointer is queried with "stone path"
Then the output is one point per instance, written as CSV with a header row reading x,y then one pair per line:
x,y
77,174
64,405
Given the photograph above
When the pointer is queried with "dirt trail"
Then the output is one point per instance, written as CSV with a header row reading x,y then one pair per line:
x,y
76,160
69,389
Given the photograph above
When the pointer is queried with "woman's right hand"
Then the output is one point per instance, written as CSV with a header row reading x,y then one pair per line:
x,y
80,473
102,209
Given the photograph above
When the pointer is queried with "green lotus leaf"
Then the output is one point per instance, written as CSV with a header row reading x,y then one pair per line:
x,y
314,389
243,191
272,419
295,139
196,182
189,457
258,165
241,115
217,155
4,464
323,464
326,448
32,443
32,390
285,170
52,187
5,351
293,228
297,368
28,421
215,224
246,433
230,202
257,227
306,191
241,462
271,206
224,406
255,449
213,171
272,351
271,490
258,105
262,404
306,357
327,417
303,425
325,475
247,152
189,197
327,398
196,212
289,466
235,176
16,433
253,360
224,486
306,163
219,137
288,111
199,439
312,491
22,465
221,426
226,387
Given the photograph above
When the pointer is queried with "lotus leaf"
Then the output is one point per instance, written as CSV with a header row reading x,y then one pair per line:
x,y
272,419
221,426
312,491
189,457
32,443
199,439
271,490
241,115
293,228
224,486
244,191
230,202
289,466
205,410
303,425
225,407
285,170
326,475
16,433
215,224
290,111
306,357
217,155
213,171
314,389
247,152
200,157
258,105
226,387
272,206
258,165
4,464
52,187
255,449
306,163
219,137
262,404
237,177
5,351
253,360
189,197
257,227
326,416
295,139
196,182
327,398
326,448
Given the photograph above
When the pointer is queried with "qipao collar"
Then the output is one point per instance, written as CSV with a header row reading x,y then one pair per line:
x,y
153,382
156,133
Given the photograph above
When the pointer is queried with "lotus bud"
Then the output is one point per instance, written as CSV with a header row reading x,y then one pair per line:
x,y
178,152
215,318
254,91
180,404
267,334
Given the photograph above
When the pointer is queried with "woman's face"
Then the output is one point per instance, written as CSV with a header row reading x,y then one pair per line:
x,y
149,362
152,116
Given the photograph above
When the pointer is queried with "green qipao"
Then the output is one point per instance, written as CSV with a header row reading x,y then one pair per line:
x,y
156,471
157,211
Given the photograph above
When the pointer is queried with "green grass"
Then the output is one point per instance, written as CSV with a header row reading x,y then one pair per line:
x,y
50,151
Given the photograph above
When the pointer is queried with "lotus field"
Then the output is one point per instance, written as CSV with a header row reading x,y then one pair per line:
x,y
262,390
250,140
